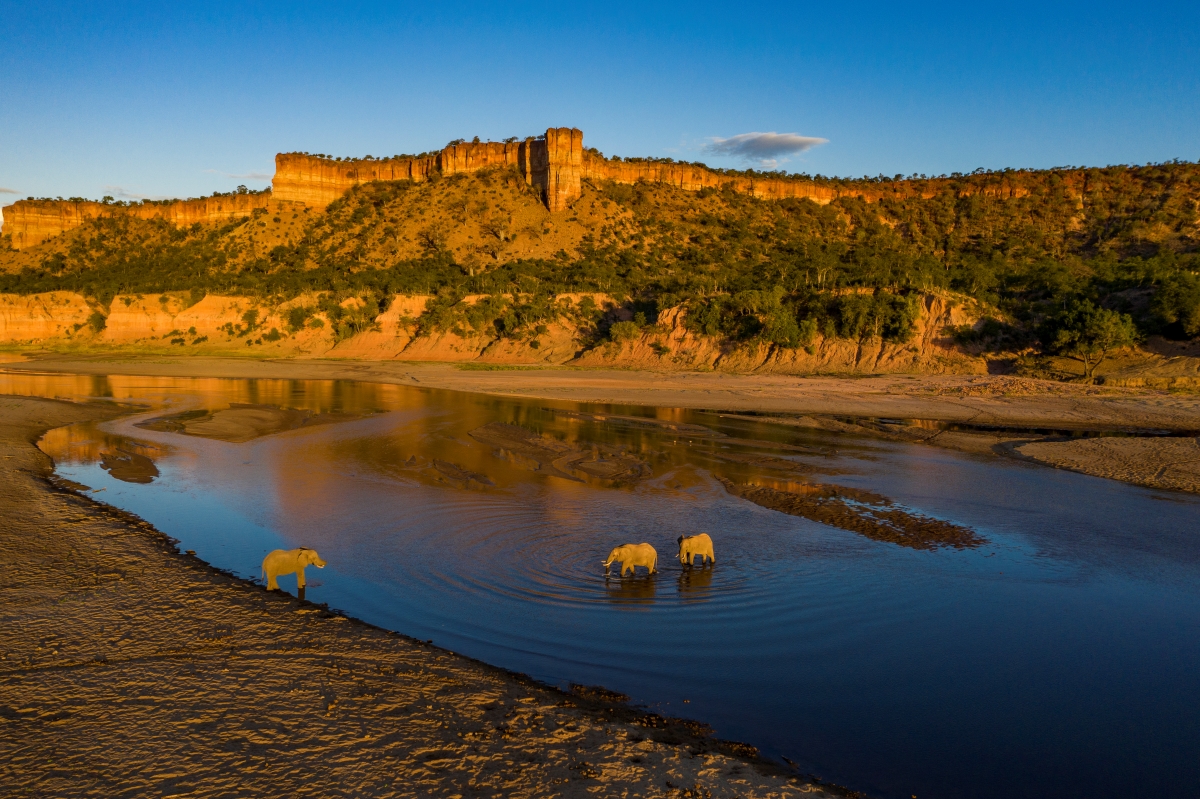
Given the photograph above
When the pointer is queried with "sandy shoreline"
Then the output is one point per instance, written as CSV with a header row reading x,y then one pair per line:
x,y
129,668
1014,407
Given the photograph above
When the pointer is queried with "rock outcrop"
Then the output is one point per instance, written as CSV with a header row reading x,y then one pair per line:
x,y
31,222
554,163
229,325
689,177
318,181
41,317
564,167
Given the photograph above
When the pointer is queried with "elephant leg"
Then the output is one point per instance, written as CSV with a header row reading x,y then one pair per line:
x,y
272,584
300,578
625,568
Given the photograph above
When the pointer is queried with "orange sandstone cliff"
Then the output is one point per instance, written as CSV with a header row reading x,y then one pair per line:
x,y
217,325
31,222
554,163
551,163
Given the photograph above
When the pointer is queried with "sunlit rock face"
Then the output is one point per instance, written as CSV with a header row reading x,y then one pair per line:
x,y
554,164
317,181
225,325
564,167
30,222
40,317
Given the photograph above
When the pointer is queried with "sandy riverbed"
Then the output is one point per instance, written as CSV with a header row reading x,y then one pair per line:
x,y
127,668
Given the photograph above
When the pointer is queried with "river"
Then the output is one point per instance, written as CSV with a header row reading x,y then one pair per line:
x,y
1049,644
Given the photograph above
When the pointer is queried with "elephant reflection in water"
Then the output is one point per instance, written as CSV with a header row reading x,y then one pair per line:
x,y
290,561
695,585
631,590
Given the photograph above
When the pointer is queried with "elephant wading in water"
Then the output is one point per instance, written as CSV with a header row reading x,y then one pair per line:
x,y
693,545
632,555
290,561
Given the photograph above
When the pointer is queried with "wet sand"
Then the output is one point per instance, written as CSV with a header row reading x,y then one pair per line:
x,y
128,668
1170,463
243,422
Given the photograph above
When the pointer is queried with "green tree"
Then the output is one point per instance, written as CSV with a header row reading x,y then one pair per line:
x,y
1089,334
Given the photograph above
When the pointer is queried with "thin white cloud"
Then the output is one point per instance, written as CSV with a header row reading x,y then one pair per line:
x,y
246,176
125,194
8,191
766,149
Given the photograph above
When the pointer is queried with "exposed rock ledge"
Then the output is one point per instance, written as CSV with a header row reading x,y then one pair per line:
x,y
217,325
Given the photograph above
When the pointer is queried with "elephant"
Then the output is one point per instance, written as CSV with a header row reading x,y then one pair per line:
x,y
632,555
694,545
289,561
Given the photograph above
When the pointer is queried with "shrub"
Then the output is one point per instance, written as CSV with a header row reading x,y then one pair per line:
x,y
296,317
97,321
624,331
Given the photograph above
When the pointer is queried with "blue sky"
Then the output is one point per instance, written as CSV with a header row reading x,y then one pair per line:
x,y
186,99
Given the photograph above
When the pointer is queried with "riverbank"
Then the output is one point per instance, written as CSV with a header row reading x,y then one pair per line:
x,y
992,414
129,668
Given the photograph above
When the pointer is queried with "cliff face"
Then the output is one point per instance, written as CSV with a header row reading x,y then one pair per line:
x,y
217,325
554,163
41,317
319,181
693,178
564,167
31,222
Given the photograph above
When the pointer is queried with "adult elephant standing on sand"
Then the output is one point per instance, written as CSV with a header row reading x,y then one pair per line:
x,y
696,545
289,561
631,556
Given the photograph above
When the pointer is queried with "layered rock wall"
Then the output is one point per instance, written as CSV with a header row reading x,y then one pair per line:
x,y
31,222
317,181
555,164
564,167
694,178
552,163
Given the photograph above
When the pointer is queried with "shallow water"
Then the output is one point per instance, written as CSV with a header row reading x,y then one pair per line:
x,y
1060,657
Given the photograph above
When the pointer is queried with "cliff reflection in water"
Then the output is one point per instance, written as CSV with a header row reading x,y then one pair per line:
x,y
457,440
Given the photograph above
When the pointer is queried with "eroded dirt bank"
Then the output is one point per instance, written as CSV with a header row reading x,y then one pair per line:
x,y
127,668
